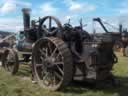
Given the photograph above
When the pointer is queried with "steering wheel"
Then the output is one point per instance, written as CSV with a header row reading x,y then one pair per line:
x,y
49,28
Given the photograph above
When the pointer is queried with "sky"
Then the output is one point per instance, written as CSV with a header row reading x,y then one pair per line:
x,y
112,11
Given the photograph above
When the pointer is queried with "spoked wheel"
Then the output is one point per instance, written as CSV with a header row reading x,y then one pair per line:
x,y
10,61
52,63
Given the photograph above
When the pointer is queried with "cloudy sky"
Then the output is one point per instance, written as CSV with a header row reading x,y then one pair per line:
x,y
112,11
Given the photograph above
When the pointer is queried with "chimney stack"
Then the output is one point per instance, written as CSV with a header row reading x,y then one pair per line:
x,y
26,18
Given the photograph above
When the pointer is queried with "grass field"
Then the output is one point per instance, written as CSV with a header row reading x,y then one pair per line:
x,y
15,86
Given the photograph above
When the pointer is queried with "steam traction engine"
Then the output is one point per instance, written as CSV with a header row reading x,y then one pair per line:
x,y
61,53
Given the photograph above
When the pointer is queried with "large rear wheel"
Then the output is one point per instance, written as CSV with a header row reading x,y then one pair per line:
x,y
52,63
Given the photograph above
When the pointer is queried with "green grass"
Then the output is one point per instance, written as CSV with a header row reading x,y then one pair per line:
x,y
15,86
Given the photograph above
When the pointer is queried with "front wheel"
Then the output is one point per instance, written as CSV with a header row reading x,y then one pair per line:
x,y
10,61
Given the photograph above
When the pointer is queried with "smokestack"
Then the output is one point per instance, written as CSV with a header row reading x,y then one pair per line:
x,y
26,18
120,28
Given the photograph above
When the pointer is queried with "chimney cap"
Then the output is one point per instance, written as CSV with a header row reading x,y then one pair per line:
x,y
26,9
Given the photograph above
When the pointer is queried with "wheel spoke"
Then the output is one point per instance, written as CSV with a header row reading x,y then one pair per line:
x,y
6,66
57,57
39,65
42,52
57,65
58,76
50,48
53,52
45,79
42,58
50,24
54,81
46,50
45,30
10,68
54,31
